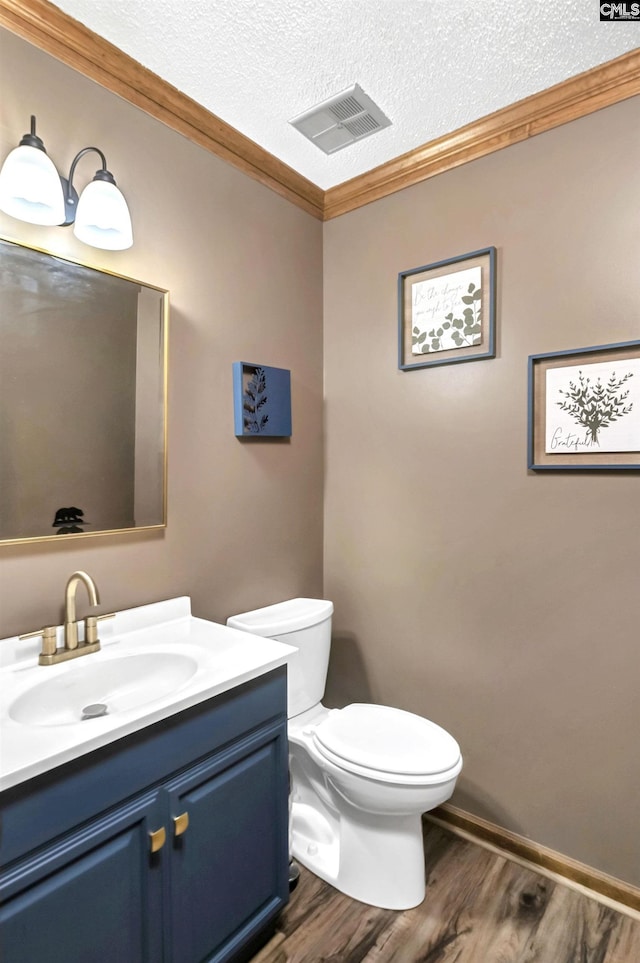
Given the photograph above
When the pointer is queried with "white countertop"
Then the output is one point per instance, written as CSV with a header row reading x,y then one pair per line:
x,y
225,658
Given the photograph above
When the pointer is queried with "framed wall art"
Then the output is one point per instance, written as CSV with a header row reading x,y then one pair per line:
x,y
261,401
447,311
584,408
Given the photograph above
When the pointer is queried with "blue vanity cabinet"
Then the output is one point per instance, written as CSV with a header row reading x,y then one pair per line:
x,y
225,880
206,789
90,898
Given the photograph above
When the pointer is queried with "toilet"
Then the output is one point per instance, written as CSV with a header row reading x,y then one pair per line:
x,y
361,776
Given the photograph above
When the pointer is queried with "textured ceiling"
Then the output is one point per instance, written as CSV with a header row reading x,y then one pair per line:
x,y
431,65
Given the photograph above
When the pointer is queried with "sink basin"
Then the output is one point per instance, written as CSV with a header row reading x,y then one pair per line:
x,y
156,661
89,691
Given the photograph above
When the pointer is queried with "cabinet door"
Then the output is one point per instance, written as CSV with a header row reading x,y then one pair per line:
x,y
95,896
229,866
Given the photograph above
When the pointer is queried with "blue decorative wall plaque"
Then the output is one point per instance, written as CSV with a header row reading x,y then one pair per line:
x,y
261,401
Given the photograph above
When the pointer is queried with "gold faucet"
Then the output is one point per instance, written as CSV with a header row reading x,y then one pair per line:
x,y
72,648
70,623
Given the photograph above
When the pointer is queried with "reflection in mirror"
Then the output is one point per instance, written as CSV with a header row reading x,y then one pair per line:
x,y
82,399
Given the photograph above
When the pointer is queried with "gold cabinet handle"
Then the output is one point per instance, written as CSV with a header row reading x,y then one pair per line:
x,y
180,824
157,839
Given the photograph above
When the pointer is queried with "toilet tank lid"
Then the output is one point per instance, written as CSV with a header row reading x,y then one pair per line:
x,y
283,617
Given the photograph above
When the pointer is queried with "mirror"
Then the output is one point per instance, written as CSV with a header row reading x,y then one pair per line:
x,y
83,361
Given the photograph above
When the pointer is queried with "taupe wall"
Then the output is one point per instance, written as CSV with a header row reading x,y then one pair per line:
x,y
244,271
500,603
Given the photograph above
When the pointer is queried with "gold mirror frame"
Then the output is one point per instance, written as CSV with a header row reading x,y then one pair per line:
x,y
37,299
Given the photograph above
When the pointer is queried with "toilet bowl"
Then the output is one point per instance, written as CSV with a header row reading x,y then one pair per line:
x,y
361,776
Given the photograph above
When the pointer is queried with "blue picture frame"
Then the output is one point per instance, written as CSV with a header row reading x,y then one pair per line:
x,y
447,311
261,401
593,387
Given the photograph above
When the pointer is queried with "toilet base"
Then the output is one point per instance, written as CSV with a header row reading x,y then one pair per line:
x,y
377,860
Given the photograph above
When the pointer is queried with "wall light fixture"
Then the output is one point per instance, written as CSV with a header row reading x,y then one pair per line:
x,y
32,190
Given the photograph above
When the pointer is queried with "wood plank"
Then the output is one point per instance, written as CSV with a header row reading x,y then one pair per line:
x,y
307,900
272,951
548,859
480,907
338,929
476,908
573,928
625,946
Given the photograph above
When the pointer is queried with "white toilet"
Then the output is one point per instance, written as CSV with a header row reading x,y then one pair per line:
x,y
361,776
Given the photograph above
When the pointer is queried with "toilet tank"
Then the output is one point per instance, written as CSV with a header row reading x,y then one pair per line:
x,y
306,625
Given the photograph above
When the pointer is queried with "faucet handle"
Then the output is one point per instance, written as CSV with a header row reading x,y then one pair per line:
x,y
49,638
91,627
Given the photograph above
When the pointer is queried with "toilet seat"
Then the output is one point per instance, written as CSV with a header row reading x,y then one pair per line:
x,y
387,744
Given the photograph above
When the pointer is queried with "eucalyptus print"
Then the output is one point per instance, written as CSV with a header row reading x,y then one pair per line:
x,y
595,405
454,331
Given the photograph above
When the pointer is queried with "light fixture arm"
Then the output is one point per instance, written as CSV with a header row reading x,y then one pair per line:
x,y
70,193
32,190
32,139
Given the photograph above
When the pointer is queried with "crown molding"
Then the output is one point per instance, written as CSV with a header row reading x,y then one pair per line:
x,y
47,27
583,94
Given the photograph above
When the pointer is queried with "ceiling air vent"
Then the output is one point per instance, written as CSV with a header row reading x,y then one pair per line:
x,y
341,120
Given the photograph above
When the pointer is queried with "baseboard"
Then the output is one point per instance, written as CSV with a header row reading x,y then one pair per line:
x,y
540,857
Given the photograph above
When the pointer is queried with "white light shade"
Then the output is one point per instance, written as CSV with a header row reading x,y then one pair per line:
x,y
30,187
102,218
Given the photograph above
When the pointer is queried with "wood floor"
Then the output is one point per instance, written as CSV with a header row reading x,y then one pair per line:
x,y
479,908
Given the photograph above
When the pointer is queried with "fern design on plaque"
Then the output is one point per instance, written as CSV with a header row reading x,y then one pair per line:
x,y
261,401
254,399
